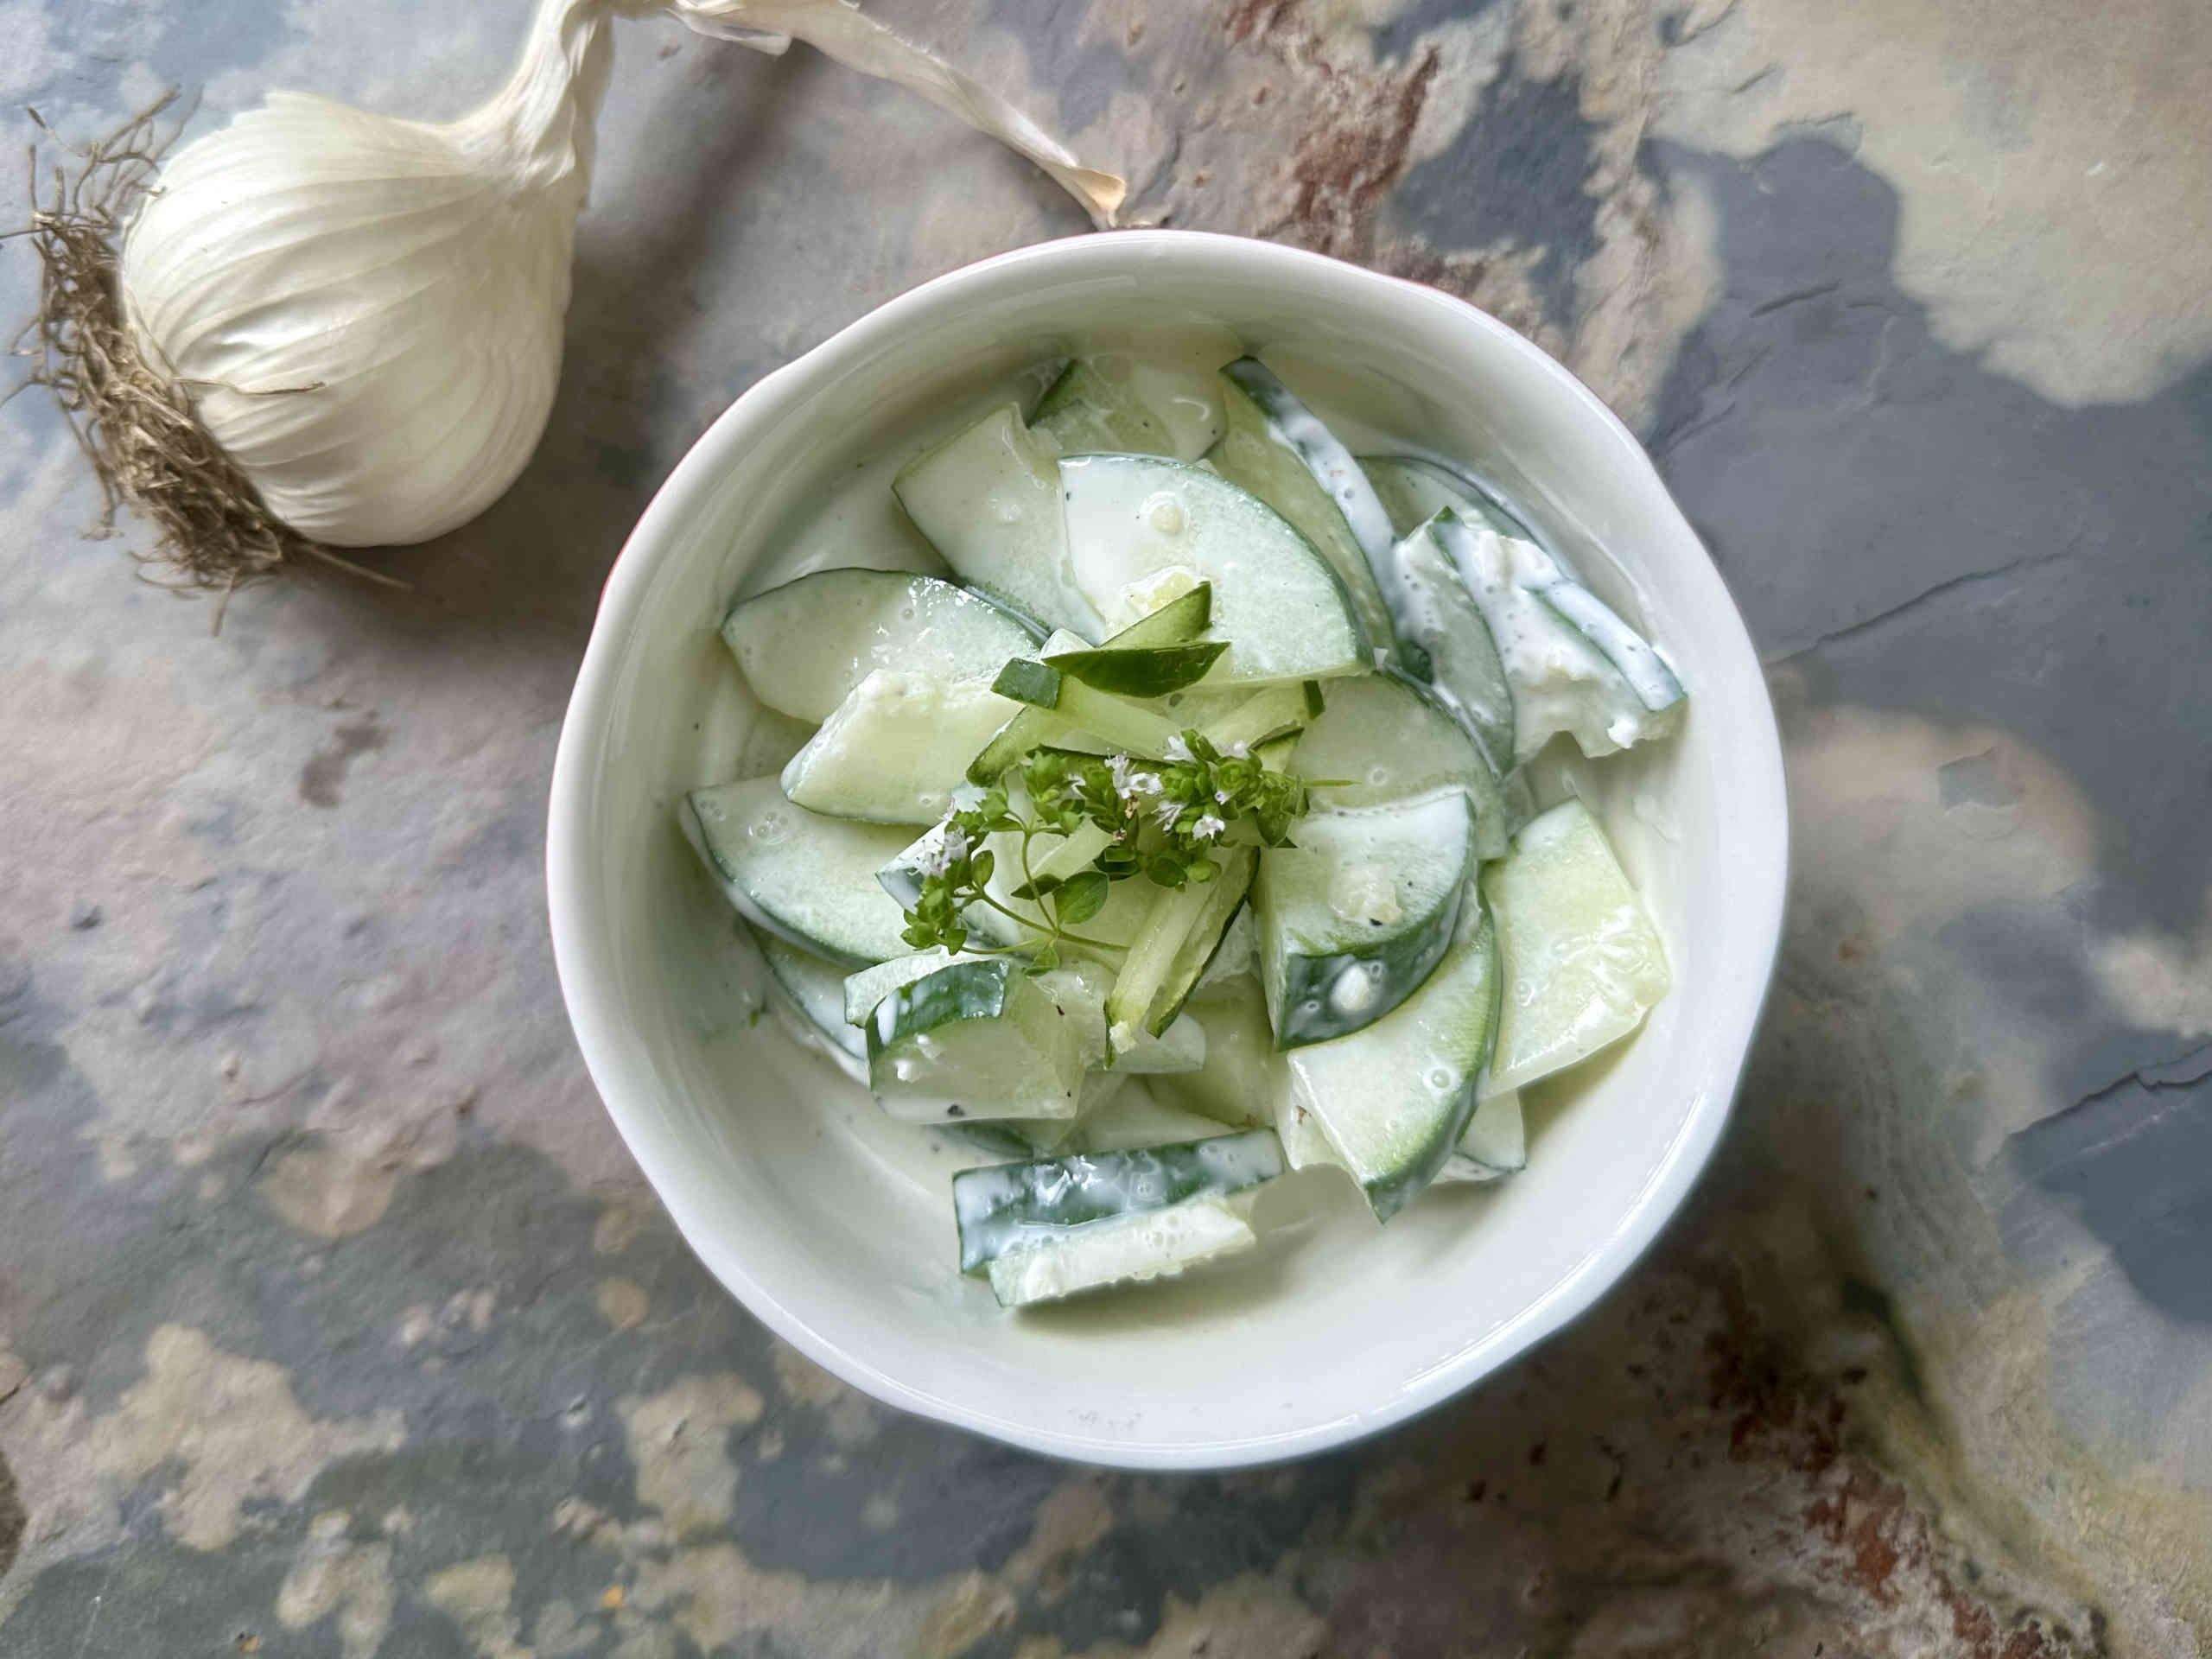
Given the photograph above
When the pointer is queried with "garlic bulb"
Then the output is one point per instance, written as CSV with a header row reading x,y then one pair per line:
x,y
367,313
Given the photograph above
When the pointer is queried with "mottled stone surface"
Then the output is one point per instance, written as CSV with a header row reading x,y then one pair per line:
x,y
333,1320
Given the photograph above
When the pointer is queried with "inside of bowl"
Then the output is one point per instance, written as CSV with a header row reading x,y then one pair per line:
x,y
835,1222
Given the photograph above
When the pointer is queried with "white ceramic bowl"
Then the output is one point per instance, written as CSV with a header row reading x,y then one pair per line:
x,y
776,1171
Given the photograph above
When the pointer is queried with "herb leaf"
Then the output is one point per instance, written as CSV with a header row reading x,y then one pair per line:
x,y
1080,898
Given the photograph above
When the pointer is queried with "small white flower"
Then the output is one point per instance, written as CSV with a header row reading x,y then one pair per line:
x,y
1207,828
1117,767
941,848
1178,751
1221,797
1167,812
1145,783
1240,750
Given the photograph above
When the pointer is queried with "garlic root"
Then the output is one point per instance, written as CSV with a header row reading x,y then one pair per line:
x,y
136,426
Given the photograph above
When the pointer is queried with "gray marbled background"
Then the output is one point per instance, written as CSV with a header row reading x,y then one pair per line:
x,y
333,1320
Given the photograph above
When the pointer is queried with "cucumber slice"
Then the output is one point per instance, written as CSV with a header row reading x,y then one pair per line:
x,y
860,994
1563,651
1123,723
1018,1138
809,879
1181,931
1150,671
1178,622
1000,1042
989,500
804,646
1142,531
1353,918
1414,489
1390,739
895,749
815,987
1091,408
1585,961
1450,635
1393,1099
1242,1075
1280,451
1494,1144
1049,1229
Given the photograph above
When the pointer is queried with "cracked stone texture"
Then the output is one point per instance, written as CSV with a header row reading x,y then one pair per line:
x,y
334,1321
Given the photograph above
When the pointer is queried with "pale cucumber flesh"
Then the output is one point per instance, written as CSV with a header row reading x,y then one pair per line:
x,y
895,749
994,1039
1383,739
805,645
1451,636
809,878
1356,914
1089,409
1092,1218
989,500
1583,963
1393,1099
1142,531
1280,451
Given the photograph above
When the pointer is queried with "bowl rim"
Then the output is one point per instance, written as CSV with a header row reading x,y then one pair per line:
x,y
586,980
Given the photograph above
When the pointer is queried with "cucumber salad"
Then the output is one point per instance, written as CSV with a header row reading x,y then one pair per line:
x,y
1182,835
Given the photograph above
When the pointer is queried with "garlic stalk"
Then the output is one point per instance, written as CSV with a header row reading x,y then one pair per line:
x,y
365,314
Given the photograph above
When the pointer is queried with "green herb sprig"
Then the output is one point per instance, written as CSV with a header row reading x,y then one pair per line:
x,y
1164,819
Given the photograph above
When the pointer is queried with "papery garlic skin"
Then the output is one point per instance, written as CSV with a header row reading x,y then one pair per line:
x,y
367,312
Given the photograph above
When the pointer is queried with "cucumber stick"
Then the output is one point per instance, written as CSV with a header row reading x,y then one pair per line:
x,y
1392,1100
1354,916
1049,1229
1383,738
1003,1042
1281,451
1177,622
1180,933
804,646
1151,671
989,500
1414,489
1573,665
807,878
1154,655
1117,720
896,748
1437,615
1584,961
1142,530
